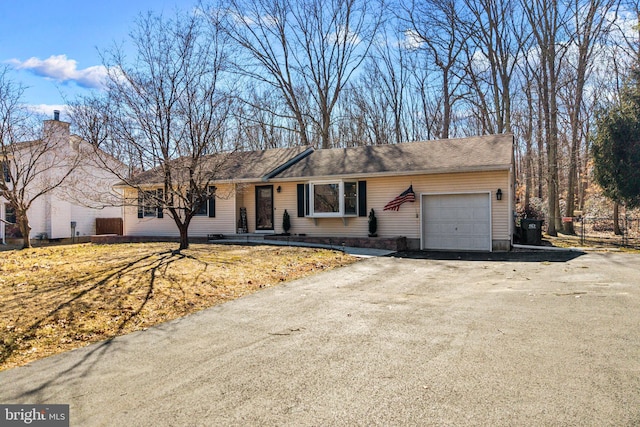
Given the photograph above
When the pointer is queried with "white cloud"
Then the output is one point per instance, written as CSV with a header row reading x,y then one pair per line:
x,y
412,40
344,34
47,110
63,69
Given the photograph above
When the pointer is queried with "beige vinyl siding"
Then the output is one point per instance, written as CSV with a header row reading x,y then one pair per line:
x,y
246,199
285,199
225,219
406,221
380,190
223,223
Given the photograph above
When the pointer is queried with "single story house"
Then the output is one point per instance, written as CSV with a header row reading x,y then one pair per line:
x,y
454,194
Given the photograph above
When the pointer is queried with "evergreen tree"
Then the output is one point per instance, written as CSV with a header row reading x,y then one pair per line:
x,y
616,147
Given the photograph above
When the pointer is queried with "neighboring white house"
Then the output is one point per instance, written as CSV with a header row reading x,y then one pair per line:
x,y
71,209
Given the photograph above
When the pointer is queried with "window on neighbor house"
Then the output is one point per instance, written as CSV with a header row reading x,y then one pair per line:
x,y
11,230
5,172
9,213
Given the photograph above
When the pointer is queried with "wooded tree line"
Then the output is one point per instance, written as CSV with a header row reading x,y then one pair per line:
x,y
257,74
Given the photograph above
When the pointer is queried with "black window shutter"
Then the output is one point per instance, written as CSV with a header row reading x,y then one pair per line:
x,y
362,198
301,201
212,202
160,196
140,204
306,200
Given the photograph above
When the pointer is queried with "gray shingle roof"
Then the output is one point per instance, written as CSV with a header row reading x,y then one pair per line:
x,y
491,152
252,165
236,166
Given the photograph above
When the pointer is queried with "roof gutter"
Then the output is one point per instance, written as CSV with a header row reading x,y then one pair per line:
x,y
439,171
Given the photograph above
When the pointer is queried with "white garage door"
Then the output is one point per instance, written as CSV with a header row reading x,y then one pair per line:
x,y
460,222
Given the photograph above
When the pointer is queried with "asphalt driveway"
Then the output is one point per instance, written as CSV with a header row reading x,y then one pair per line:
x,y
501,341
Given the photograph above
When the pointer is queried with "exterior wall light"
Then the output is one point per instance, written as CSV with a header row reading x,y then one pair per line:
x,y
279,189
499,194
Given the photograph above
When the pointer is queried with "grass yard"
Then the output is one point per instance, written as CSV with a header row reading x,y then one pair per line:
x,y
54,299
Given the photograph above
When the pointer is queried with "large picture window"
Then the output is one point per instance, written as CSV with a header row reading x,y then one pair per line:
x,y
326,198
333,199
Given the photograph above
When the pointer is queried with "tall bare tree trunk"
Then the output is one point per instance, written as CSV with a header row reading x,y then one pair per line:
x,y
528,155
25,229
540,139
587,31
616,219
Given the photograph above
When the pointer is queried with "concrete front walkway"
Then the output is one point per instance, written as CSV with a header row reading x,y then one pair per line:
x,y
351,250
544,339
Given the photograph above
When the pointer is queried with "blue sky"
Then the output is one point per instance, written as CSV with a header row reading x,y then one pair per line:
x,y
53,46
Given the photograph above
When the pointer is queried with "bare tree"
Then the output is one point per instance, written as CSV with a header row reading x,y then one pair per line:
x,y
391,63
307,50
496,35
34,162
435,25
588,27
166,112
546,20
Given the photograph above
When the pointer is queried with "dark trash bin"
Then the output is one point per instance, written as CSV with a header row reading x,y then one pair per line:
x,y
531,231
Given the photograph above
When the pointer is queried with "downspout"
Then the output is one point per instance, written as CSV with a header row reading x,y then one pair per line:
x,y
512,193
2,224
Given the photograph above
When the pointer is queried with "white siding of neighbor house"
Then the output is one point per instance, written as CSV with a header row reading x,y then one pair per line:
x,y
60,218
38,216
52,216
85,218
406,221
223,223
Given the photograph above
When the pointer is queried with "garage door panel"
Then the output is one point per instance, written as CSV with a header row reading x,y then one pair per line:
x,y
456,221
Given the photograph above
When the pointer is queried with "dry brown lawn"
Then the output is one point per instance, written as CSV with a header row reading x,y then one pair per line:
x,y
54,299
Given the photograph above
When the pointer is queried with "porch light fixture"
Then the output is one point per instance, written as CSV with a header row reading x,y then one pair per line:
x,y
279,189
499,194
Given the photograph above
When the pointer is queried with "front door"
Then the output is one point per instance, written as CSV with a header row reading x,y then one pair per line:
x,y
264,208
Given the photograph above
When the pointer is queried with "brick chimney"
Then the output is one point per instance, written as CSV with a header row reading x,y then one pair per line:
x,y
56,128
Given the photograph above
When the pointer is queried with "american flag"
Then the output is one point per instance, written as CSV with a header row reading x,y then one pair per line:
x,y
407,196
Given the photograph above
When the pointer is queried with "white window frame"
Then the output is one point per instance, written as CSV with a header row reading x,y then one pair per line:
x,y
341,199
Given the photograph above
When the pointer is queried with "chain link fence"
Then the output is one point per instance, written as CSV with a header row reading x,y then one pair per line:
x,y
601,232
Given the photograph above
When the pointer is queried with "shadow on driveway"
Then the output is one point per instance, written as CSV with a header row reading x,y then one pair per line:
x,y
513,256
